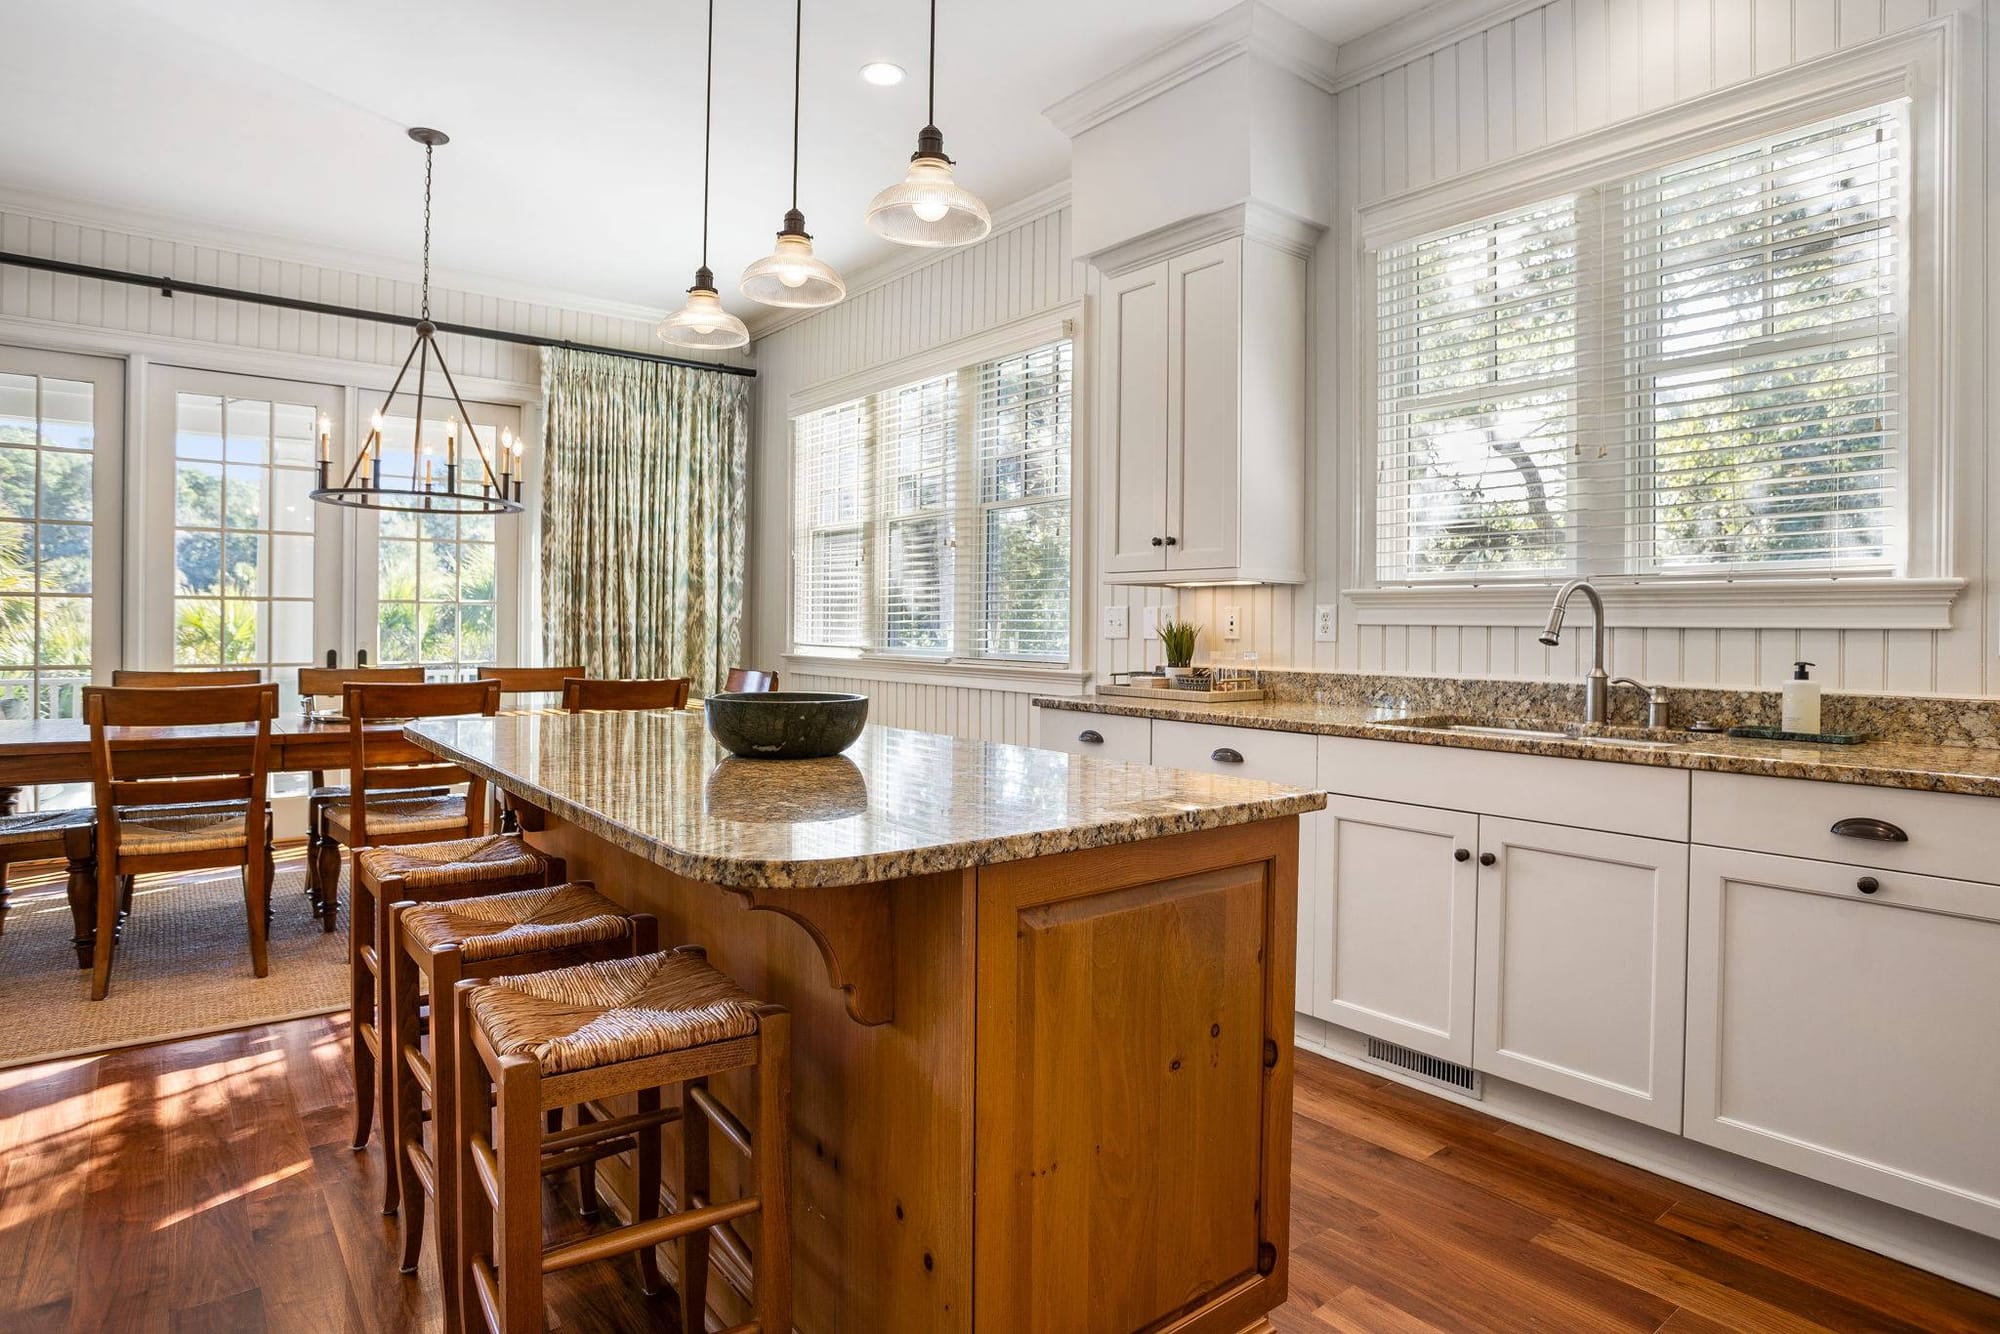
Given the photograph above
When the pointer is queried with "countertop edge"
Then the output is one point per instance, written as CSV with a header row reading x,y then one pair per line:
x,y
750,874
1696,757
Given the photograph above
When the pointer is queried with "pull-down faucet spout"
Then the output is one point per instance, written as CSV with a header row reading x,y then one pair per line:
x,y
1597,685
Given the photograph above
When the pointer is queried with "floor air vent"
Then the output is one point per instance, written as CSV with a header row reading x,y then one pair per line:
x,y
1459,1078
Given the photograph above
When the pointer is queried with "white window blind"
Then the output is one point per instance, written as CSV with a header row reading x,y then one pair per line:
x,y
932,520
1693,371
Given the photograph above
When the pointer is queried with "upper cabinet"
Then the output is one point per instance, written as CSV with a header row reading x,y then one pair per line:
x,y
1202,387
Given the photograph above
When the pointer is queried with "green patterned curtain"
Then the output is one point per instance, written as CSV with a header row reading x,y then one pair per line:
x,y
645,501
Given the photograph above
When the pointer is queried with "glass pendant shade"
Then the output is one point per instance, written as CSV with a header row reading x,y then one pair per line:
x,y
791,275
929,208
703,323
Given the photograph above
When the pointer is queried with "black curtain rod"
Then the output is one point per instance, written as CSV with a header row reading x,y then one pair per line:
x,y
169,286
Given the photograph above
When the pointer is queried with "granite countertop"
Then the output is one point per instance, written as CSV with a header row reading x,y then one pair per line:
x,y
1920,766
898,803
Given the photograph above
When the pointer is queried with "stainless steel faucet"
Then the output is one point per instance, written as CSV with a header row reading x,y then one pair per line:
x,y
1659,709
1597,685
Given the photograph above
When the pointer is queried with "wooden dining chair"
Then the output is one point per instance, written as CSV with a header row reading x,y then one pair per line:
x,y
666,692
178,808
318,683
233,676
750,680
531,680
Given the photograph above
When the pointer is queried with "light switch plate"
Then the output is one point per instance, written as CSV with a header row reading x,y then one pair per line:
x,y
1149,623
1326,623
1117,623
1232,623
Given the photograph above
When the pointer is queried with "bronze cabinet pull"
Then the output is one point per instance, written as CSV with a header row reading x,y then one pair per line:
x,y
1868,827
1090,736
1225,755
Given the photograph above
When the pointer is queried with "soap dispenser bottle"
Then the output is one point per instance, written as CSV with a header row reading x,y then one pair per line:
x,y
1801,706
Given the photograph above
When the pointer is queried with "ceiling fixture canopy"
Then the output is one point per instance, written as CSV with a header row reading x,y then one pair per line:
x,y
928,207
702,322
472,488
792,276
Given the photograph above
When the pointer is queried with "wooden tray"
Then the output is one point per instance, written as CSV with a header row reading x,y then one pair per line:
x,y
1182,696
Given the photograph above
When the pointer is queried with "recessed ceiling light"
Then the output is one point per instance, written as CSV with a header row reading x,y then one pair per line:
x,y
882,73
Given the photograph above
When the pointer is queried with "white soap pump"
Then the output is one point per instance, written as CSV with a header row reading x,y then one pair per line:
x,y
1801,706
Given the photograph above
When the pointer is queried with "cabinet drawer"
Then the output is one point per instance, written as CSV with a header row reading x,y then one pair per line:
x,y
1104,736
1583,794
1246,752
1945,833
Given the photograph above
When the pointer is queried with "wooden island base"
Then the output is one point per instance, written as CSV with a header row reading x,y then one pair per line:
x,y
1094,1046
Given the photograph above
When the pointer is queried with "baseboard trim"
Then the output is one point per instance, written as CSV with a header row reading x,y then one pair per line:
x,y
1924,1243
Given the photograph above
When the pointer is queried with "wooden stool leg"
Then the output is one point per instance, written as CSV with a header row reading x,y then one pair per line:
x,y
694,1181
385,1071
80,846
403,1113
647,1186
361,1010
257,906
519,1227
773,1164
473,1115
445,972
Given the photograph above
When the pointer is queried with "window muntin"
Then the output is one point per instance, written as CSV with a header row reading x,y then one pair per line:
x,y
932,520
437,574
47,480
1692,371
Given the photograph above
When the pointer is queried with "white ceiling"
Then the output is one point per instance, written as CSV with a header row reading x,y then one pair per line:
x,y
575,162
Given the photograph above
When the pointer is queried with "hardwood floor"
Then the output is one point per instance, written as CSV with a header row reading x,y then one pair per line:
x,y
207,1185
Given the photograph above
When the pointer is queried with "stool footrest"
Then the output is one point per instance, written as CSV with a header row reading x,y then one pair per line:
x,y
589,1153
651,1232
486,1284
420,1069
615,1125
487,1168
421,1164
725,1120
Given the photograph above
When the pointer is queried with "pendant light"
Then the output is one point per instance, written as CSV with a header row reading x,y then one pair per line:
x,y
792,275
702,322
473,486
929,208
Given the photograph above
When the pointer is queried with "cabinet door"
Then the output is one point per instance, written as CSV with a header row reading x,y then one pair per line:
x,y
1134,374
1396,903
1581,966
1848,1036
1204,406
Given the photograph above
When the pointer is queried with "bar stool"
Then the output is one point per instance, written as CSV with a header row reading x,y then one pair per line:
x,y
537,1041
414,873
433,947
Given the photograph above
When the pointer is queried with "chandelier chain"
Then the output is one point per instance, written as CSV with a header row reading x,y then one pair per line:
x,y
798,67
930,105
707,131
428,150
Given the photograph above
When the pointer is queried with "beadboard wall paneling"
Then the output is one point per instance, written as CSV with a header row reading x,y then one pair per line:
x,y
1018,272
1567,68
60,302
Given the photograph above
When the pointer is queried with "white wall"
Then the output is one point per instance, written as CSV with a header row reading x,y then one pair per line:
x,y
1021,270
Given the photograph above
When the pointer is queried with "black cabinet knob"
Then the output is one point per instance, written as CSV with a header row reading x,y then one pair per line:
x,y
1173,541
1462,855
1090,736
1225,755
1487,859
1159,541
1868,884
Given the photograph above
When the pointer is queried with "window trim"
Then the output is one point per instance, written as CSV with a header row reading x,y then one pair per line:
x,y
953,358
1918,63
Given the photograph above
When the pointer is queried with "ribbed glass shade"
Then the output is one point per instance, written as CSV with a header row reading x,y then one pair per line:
x,y
929,208
793,276
703,323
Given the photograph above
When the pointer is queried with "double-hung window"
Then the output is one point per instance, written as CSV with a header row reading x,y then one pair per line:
x,y
931,520
1689,371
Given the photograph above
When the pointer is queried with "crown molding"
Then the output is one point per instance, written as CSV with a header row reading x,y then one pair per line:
x,y
179,230
1252,218
1250,28
1429,29
1051,198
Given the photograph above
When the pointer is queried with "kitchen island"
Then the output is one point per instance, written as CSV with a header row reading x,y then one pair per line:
x,y
1042,1006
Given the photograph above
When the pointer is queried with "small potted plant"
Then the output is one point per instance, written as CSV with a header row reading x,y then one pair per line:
x,y
1178,638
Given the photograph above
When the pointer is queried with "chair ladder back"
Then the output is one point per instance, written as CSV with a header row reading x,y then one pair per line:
x,y
368,701
171,680
669,692
228,769
530,680
314,681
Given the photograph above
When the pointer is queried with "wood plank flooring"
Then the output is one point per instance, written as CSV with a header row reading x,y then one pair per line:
x,y
207,1185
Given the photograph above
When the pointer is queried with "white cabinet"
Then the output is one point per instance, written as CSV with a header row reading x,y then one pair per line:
x,y
1394,900
1105,736
1581,966
1844,1024
1201,363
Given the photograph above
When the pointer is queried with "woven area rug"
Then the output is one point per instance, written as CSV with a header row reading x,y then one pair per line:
x,y
183,966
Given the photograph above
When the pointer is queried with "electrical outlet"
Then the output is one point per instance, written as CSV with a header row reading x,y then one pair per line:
x,y
1117,623
1232,623
1326,623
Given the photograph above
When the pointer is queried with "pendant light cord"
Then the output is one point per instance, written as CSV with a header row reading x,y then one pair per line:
x,y
930,105
798,66
707,131
428,150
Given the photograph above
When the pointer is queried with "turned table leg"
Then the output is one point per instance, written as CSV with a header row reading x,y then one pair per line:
x,y
80,846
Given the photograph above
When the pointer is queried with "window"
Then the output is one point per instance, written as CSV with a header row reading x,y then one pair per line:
x,y
243,533
1690,371
47,486
436,573
932,520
